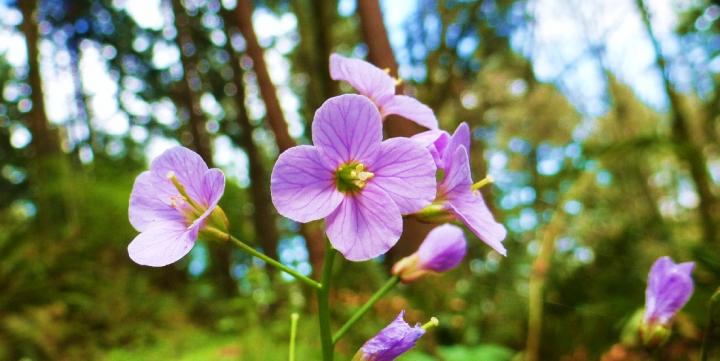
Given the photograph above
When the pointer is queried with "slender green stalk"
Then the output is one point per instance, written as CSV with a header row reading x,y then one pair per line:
x,y
293,335
713,322
225,236
323,294
365,308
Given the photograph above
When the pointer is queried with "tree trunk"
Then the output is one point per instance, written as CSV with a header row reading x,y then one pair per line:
x,y
380,54
49,163
685,147
45,141
220,253
263,217
274,115
276,121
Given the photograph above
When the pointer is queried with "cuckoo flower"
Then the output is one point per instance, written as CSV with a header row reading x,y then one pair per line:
x,y
170,204
457,195
442,250
377,85
392,341
360,184
669,287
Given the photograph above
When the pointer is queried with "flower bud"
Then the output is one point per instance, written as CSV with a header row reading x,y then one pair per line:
x,y
392,341
669,287
442,250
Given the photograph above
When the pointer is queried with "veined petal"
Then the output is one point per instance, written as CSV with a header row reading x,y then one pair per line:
x,y
471,209
162,244
392,341
302,185
412,109
213,187
368,79
461,138
347,128
406,172
365,225
458,179
670,286
188,167
148,205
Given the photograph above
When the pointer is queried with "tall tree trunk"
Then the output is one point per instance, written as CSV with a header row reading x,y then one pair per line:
x,y
45,141
263,217
275,117
276,121
315,19
685,147
192,82
49,163
380,54
220,253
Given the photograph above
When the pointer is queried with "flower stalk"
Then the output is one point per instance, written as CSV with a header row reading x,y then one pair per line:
x,y
323,295
240,244
293,335
365,308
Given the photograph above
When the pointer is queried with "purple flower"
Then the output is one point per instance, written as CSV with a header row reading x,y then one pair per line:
x,y
669,287
170,204
377,85
392,341
442,250
360,184
455,192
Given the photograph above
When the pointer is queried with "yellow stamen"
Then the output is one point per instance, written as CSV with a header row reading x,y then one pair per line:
x,y
487,180
434,322
181,189
398,81
387,70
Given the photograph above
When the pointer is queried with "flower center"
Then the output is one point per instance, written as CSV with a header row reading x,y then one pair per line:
x,y
182,202
352,177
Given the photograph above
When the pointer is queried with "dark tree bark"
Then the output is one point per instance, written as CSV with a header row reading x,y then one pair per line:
x,y
276,121
191,82
275,117
263,217
45,140
220,253
685,147
380,54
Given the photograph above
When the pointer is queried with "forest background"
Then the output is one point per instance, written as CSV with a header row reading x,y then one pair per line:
x,y
598,120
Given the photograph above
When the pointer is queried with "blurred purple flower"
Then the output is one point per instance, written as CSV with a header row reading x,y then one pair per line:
x,y
669,287
392,341
170,204
442,250
455,192
360,184
377,85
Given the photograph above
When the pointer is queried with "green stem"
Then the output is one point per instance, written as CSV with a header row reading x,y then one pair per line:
x,y
365,308
222,235
323,294
293,335
713,321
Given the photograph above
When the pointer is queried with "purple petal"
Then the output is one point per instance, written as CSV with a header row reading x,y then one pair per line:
x,y
347,128
443,248
189,168
302,185
213,187
670,286
469,206
392,341
435,141
150,202
368,79
162,244
406,171
365,225
412,109
461,138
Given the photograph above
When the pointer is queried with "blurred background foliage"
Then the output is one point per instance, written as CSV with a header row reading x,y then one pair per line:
x,y
599,121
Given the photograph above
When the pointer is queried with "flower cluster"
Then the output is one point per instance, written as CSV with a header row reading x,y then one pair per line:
x,y
362,185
